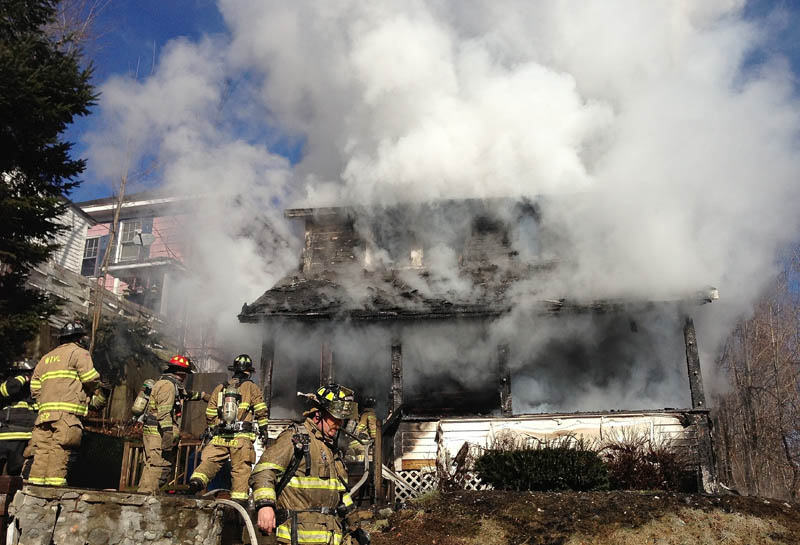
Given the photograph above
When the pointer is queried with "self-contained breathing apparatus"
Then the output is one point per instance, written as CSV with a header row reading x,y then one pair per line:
x,y
228,404
142,398
229,400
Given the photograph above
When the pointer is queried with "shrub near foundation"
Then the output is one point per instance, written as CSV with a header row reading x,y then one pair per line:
x,y
562,464
637,463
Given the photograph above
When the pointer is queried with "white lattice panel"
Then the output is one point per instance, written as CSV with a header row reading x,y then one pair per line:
x,y
471,481
420,481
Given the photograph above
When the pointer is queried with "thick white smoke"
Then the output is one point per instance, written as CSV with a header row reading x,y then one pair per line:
x,y
673,160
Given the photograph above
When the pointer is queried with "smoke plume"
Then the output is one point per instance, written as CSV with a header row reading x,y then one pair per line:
x,y
668,159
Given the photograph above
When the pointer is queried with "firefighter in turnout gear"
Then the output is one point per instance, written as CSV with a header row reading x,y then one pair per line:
x,y
17,416
162,423
231,412
65,384
300,482
367,428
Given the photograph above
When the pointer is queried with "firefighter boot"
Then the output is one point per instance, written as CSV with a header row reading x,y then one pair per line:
x,y
195,486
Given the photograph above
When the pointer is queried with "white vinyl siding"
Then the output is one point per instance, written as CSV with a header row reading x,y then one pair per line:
x,y
72,241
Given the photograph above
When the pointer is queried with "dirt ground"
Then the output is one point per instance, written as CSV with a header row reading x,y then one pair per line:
x,y
589,518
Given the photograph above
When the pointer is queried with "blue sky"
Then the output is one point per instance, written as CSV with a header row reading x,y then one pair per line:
x,y
131,34
128,35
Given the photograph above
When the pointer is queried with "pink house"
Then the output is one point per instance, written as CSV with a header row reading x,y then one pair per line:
x,y
148,255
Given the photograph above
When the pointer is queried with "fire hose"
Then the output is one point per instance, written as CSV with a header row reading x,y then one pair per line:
x,y
366,443
245,516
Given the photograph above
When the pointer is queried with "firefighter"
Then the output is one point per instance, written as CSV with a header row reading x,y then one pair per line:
x,y
367,428
162,423
231,411
17,416
299,484
65,384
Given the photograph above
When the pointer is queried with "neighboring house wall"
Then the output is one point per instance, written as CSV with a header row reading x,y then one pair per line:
x,y
72,241
147,265
168,242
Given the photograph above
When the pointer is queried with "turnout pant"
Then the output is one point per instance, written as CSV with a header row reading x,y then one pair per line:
x,y
11,459
242,454
53,442
157,464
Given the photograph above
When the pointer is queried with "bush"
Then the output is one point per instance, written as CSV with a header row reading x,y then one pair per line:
x,y
637,463
563,464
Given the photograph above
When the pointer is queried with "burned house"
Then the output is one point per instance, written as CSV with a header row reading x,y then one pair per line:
x,y
449,314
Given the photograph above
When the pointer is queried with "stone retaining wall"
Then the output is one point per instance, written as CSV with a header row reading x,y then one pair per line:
x,y
70,516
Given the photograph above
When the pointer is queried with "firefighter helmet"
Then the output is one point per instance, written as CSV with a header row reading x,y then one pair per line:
x,y
369,403
71,330
242,364
180,363
336,400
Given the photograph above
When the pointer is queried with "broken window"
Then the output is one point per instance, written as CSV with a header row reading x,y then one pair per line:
x,y
396,245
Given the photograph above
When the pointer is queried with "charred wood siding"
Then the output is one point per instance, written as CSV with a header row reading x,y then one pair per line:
x,y
487,245
329,242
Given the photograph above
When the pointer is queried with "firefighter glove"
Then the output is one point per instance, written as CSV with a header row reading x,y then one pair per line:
x,y
167,439
205,396
342,510
360,536
100,397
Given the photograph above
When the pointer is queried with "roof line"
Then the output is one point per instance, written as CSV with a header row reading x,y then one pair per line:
x,y
79,211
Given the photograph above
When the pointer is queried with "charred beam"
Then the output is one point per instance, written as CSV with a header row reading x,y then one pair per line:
x,y
693,365
505,380
707,480
267,362
326,363
377,463
396,398
707,468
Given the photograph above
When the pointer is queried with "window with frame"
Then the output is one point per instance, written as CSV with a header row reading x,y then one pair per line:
x,y
90,253
129,247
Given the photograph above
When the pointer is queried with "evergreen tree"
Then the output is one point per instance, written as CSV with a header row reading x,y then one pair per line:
x,y
42,88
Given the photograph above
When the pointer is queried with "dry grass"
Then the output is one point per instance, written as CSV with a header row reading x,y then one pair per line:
x,y
692,526
592,518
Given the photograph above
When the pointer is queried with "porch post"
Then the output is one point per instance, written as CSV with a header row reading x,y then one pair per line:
x,y
396,397
707,475
267,363
326,362
693,365
505,380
